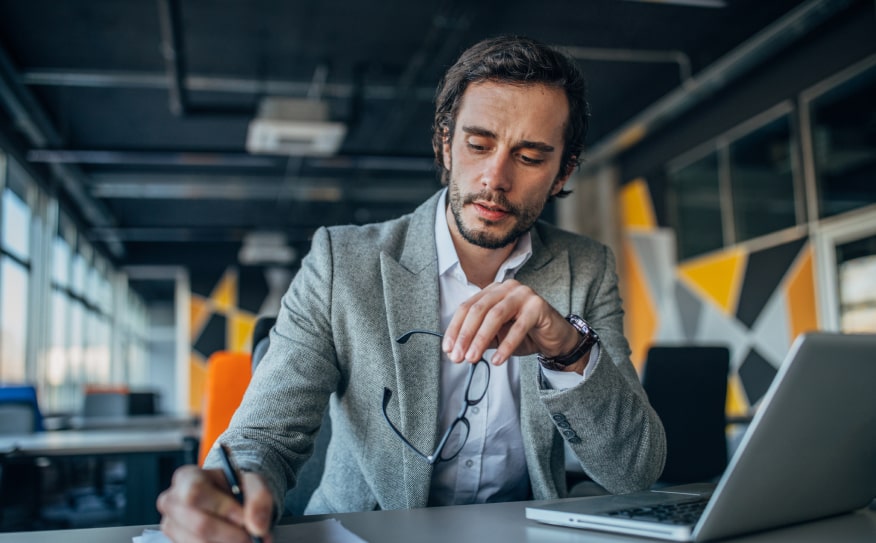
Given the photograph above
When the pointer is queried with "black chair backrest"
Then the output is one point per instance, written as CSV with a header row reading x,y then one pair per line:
x,y
687,386
261,338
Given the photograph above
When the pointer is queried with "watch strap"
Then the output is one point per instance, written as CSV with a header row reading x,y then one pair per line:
x,y
589,337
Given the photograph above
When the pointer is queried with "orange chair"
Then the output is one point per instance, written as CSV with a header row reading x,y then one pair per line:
x,y
228,376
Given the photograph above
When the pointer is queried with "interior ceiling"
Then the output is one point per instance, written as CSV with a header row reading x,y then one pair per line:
x,y
139,109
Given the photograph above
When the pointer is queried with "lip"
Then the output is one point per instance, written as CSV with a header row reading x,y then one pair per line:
x,y
489,211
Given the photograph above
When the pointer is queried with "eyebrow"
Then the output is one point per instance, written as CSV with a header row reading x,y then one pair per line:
x,y
525,144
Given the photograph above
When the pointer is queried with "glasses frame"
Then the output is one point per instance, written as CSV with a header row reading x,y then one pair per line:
x,y
436,457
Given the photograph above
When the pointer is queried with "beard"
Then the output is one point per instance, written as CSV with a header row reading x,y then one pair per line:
x,y
524,216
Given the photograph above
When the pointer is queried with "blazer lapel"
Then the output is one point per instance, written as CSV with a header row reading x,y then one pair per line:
x,y
544,272
410,287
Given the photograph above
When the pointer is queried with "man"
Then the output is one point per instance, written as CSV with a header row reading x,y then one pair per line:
x,y
474,263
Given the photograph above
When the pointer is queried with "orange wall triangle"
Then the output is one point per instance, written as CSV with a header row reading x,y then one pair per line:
x,y
802,309
640,317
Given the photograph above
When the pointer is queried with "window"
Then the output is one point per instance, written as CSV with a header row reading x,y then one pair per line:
x,y
761,181
856,266
16,226
15,234
741,186
14,282
694,196
843,123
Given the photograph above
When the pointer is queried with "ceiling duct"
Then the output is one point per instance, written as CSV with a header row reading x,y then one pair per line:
x,y
294,126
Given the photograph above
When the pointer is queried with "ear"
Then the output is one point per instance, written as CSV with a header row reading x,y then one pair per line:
x,y
445,148
563,178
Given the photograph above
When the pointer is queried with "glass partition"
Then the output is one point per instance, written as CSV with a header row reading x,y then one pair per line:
x,y
762,181
843,123
695,206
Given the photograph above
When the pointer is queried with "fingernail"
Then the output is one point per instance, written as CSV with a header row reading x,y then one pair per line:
x,y
446,345
470,355
496,360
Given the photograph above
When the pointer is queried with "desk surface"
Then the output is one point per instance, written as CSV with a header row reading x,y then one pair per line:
x,y
80,442
503,522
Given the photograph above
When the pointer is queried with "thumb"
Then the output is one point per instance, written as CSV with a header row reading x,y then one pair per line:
x,y
258,510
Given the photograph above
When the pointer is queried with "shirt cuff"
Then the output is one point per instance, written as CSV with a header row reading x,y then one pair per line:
x,y
561,380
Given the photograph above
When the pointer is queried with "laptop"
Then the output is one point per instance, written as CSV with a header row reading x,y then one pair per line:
x,y
809,453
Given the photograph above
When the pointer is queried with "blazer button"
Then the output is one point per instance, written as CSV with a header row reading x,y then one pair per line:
x,y
559,417
574,440
570,434
564,424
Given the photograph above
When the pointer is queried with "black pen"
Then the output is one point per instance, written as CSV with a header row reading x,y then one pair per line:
x,y
231,476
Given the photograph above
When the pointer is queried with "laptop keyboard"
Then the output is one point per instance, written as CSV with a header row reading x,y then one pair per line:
x,y
674,513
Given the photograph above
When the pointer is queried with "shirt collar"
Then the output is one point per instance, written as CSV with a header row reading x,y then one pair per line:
x,y
448,259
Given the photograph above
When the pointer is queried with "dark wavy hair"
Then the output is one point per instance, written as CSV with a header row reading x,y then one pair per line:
x,y
518,61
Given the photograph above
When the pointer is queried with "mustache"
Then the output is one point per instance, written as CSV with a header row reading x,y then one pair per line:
x,y
496,198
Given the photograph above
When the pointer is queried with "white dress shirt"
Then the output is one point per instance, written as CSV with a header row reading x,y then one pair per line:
x,y
491,466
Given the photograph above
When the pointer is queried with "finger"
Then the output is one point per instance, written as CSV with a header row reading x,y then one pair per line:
x,y
197,508
493,327
467,320
258,509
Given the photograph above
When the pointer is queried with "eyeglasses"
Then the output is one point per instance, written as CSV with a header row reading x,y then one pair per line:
x,y
476,384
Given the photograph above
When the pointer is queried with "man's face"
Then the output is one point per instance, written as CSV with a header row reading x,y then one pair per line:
x,y
504,160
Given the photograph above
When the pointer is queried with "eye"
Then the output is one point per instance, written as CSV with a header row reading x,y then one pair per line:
x,y
476,144
531,160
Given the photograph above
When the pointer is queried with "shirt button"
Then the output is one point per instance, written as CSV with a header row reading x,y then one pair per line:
x,y
469,463
475,410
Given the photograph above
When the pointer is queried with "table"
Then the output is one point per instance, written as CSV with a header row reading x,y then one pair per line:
x,y
504,522
148,454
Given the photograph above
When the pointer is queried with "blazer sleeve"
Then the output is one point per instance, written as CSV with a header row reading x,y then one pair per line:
x,y
273,430
607,419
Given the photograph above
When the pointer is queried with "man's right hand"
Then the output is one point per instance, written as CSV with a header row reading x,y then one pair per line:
x,y
199,507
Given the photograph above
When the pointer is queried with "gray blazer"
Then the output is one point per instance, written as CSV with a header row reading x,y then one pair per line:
x,y
361,286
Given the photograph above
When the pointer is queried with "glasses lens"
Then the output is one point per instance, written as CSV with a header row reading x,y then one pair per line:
x,y
480,381
457,435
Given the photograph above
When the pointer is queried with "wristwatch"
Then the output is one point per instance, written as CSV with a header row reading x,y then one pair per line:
x,y
589,337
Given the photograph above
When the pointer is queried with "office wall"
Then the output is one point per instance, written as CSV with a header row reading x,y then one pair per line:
x,y
223,313
756,296
754,301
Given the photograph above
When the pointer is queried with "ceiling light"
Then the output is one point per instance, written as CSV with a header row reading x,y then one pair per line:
x,y
296,127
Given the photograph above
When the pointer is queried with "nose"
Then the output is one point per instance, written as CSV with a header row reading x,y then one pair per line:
x,y
497,172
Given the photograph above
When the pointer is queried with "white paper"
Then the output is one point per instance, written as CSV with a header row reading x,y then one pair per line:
x,y
151,536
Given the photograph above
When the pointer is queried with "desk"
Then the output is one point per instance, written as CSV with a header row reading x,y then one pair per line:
x,y
139,422
149,456
486,523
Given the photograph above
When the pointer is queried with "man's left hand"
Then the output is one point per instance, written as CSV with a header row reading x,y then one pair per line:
x,y
513,319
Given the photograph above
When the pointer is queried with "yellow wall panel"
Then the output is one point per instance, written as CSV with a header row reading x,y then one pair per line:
x,y
640,317
717,277
802,311
224,296
637,211
240,327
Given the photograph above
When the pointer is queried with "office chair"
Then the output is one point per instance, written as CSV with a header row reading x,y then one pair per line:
x,y
106,402
311,472
19,410
228,375
20,478
687,386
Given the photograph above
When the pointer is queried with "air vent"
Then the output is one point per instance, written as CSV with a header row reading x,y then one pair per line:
x,y
291,126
